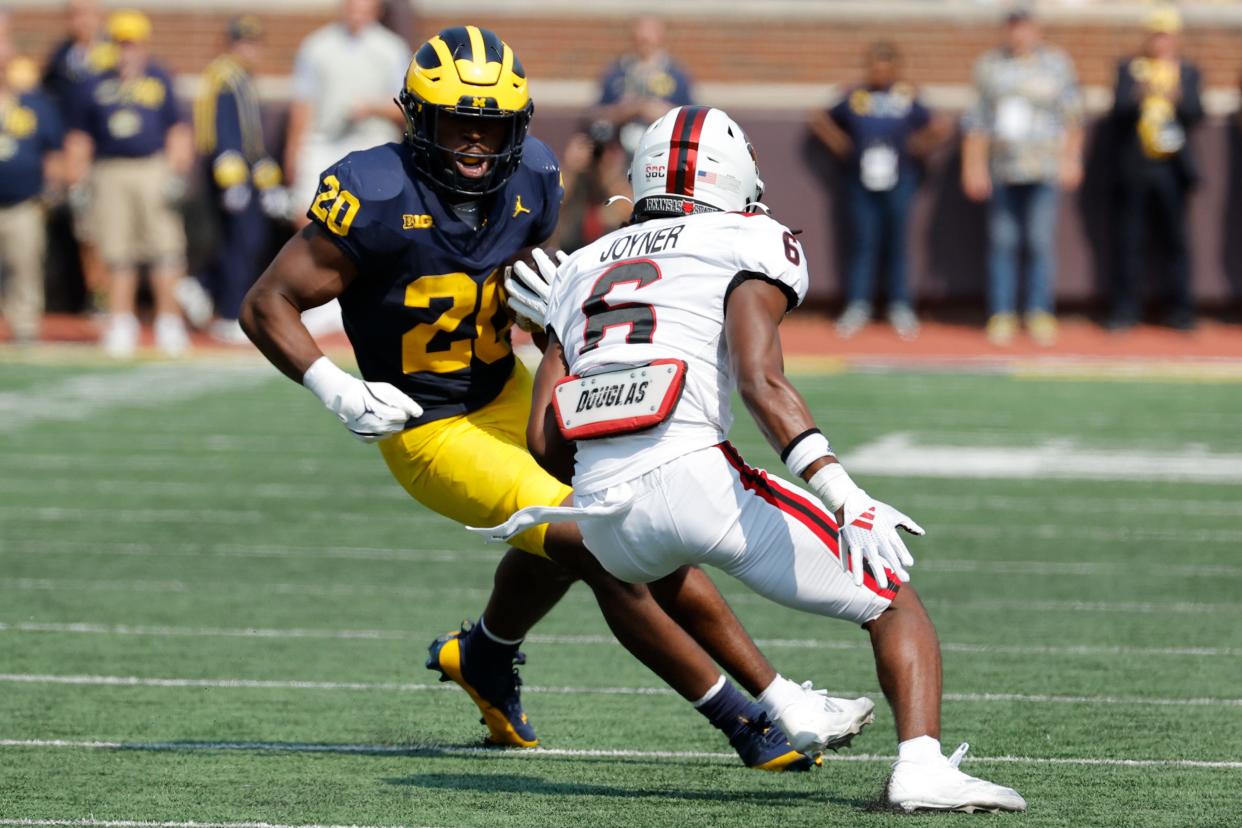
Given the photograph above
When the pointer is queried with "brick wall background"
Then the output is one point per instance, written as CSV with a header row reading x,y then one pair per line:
x,y
726,50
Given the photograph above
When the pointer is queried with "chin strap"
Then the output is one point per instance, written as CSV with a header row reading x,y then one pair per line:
x,y
614,199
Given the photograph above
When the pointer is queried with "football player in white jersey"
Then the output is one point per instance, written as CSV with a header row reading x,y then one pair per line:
x,y
651,328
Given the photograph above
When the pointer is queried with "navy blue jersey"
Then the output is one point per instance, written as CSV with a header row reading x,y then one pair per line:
x,y
72,65
426,311
29,128
885,117
125,119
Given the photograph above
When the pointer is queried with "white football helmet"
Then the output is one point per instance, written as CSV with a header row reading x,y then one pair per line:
x,y
694,159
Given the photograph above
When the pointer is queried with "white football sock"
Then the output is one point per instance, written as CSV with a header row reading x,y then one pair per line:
x,y
710,694
780,694
497,638
920,749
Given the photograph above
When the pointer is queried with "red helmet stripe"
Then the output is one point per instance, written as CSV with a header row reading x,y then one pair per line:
x,y
684,152
674,152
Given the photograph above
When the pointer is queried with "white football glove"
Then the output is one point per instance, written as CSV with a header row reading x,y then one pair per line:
x,y
529,289
870,533
868,527
370,410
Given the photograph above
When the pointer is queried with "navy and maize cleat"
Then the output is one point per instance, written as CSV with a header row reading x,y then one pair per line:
x,y
763,746
493,683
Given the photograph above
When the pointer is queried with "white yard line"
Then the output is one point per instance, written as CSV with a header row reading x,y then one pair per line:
x,y
169,462
104,514
34,546
573,753
385,490
132,823
84,396
156,631
413,687
353,590
904,454
229,550
232,588
1097,503
144,486
1078,568
1138,607
1029,532
1069,531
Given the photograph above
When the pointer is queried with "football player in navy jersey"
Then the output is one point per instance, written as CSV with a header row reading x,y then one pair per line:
x,y
412,238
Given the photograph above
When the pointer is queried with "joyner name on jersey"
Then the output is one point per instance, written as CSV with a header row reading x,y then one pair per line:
x,y
643,244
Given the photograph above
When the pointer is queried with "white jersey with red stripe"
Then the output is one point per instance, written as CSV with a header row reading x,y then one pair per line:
x,y
657,290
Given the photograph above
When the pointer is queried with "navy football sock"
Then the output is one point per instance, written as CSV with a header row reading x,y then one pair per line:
x,y
728,708
484,650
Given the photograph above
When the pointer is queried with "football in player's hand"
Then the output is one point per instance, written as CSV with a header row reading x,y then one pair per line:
x,y
525,255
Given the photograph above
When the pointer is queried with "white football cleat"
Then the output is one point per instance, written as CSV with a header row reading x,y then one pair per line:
x,y
170,335
194,300
817,721
228,332
938,785
120,338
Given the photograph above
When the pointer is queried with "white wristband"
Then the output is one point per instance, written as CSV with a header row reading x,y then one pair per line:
x,y
805,449
832,485
327,381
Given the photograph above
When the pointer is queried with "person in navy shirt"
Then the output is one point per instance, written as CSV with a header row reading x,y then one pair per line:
x,y
127,120
244,183
84,54
877,130
30,141
641,86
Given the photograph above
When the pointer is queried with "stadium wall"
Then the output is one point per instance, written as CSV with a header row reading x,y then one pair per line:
x,y
770,81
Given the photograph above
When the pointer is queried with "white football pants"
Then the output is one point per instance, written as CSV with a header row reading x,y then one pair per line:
x,y
709,507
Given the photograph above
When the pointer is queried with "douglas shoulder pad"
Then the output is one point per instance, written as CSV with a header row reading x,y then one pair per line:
x,y
623,401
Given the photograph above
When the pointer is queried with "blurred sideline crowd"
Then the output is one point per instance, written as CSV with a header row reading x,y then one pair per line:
x,y
95,151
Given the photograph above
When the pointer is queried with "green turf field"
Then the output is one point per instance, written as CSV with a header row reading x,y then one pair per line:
x,y
214,607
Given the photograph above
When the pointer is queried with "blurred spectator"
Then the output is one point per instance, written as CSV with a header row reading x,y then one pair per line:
x,y
244,183
1156,103
876,130
30,142
1023,144
127,122
592,170
398,16
83,55
344,78
642,85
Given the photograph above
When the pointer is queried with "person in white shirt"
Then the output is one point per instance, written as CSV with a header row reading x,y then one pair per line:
x,y
649,330
344,77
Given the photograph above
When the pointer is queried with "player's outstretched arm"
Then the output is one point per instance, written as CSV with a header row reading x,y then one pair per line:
x,y
543,438
752,319
309,271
